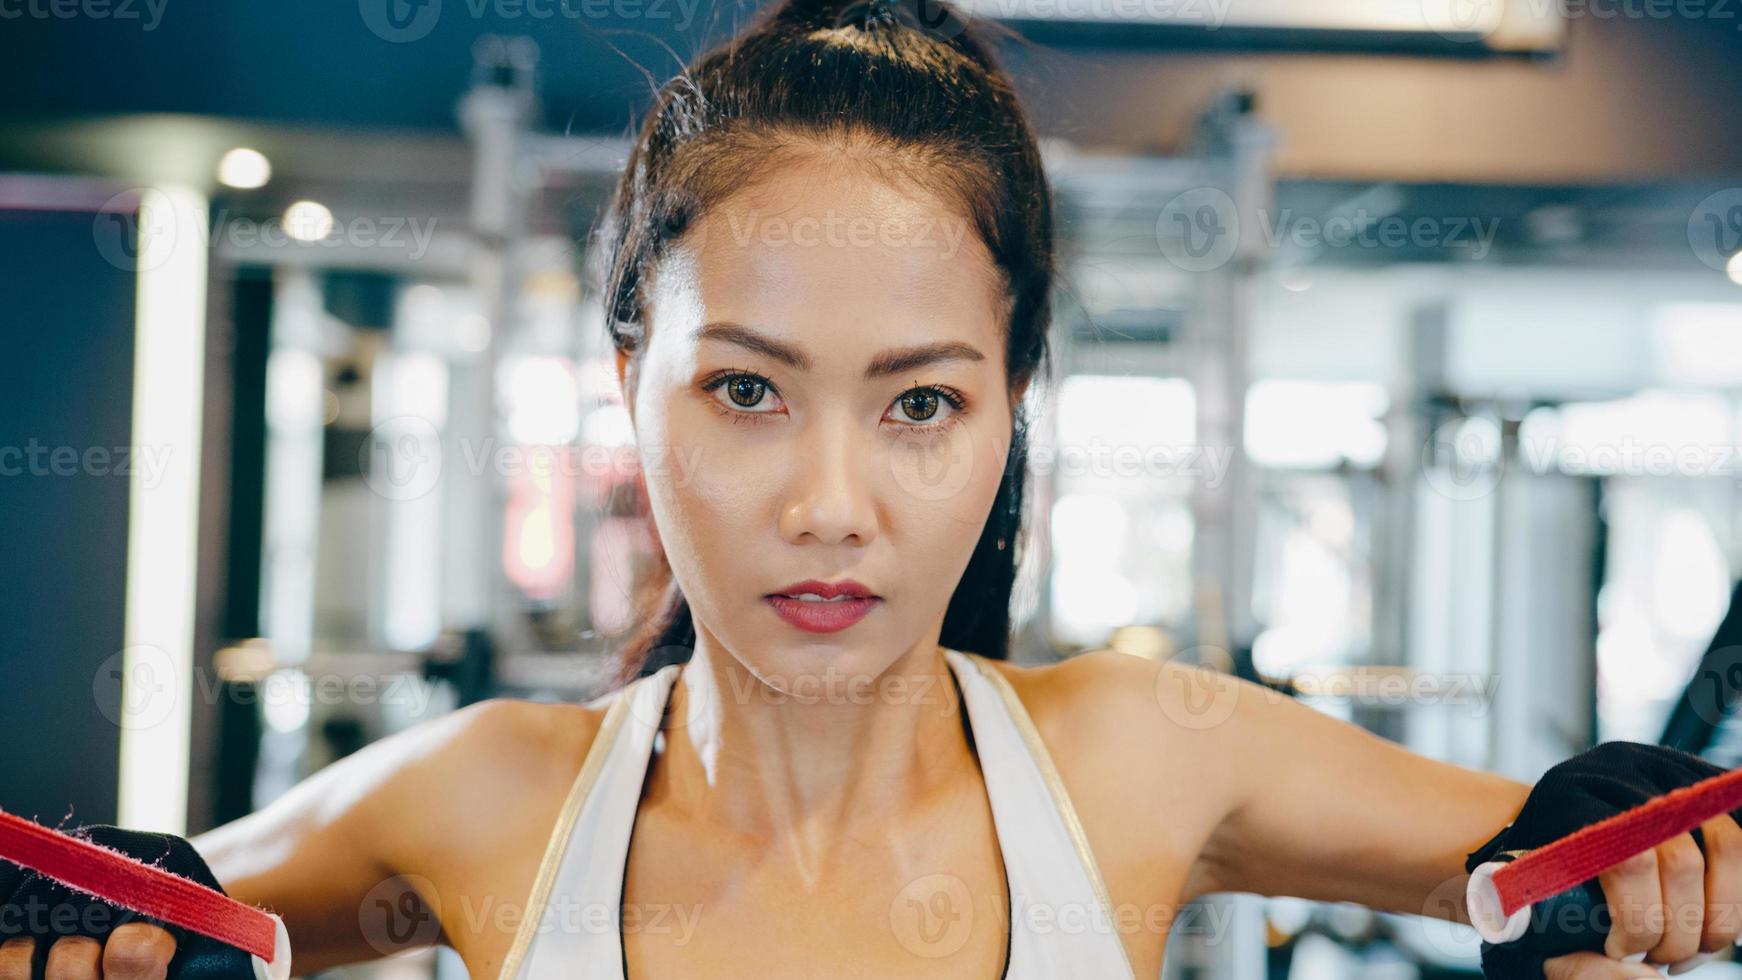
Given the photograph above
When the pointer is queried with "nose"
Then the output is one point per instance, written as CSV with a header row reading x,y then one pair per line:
x,y
830,499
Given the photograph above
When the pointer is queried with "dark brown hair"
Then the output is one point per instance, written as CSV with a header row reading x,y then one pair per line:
x,y
911,89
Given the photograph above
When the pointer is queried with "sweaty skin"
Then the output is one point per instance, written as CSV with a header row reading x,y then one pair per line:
x,y
792,821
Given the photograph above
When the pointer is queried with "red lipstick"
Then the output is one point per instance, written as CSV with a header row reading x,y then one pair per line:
x,y
825,607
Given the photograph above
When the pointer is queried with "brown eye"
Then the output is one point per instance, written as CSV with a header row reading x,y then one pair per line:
x,y
919,404
917,407
745,390
746,393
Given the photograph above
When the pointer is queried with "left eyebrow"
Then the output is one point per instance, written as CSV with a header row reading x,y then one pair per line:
x,y
904,359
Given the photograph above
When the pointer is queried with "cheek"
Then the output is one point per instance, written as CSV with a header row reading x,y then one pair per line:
x,y
705,493
944,485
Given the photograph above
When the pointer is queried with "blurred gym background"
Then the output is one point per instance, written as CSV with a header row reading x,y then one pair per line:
x,y
1400,345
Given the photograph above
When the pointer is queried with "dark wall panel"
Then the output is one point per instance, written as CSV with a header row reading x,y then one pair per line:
x,y
66,390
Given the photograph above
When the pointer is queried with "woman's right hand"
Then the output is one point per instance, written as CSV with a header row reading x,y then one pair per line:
x,y
50,931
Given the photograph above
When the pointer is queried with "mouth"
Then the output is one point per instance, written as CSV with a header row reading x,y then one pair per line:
x,y
811,590
822,607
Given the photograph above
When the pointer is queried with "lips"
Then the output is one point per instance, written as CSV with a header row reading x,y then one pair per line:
x,y
822,607
826,590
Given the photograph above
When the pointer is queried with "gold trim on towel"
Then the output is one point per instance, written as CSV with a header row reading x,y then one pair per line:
x,y
1056,786
559,838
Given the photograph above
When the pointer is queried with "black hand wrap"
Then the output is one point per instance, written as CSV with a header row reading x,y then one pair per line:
x,y
1597,783
32,905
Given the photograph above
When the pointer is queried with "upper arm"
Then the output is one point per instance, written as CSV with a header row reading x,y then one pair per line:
x,y
1258,792
1324,809
376,828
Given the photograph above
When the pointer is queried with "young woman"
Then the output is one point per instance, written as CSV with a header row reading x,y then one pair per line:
x,y
831,262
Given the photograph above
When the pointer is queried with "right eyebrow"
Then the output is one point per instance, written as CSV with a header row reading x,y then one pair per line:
x,y
741,336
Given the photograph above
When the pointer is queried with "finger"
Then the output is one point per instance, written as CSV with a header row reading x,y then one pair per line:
x,y
1635,898
137,951
1681,870
74,958
15,958
1591,966
1723,923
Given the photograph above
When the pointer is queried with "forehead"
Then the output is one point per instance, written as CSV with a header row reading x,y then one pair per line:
x,y
832,255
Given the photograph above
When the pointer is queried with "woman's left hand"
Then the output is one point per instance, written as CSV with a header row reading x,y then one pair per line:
x,y
1671,905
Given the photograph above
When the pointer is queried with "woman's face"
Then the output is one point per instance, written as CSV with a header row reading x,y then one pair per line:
x,y
822,398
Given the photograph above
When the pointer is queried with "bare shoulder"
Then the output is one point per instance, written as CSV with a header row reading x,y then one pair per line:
x,y
490,790
454,810
1102,700
499,766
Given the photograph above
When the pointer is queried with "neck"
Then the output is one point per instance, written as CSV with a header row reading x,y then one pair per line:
x,y
808,767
